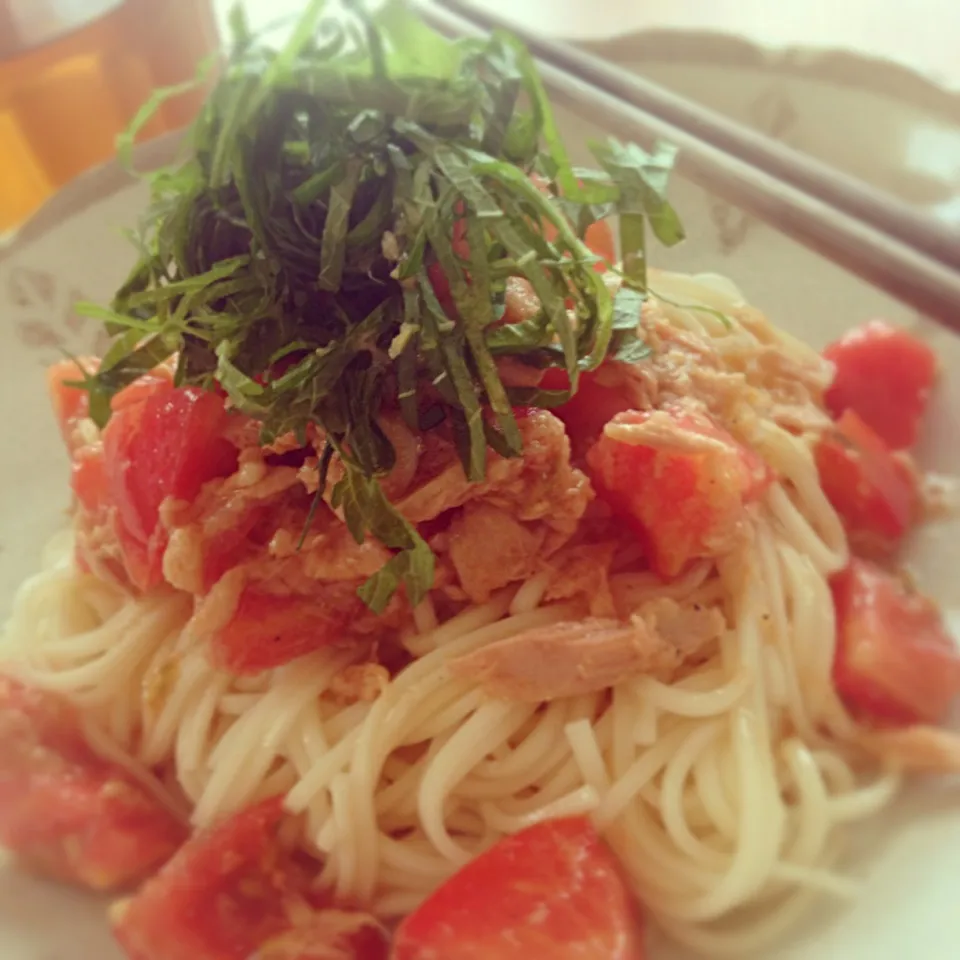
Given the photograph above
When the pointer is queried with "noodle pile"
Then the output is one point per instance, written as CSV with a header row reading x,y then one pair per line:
x,y
723,792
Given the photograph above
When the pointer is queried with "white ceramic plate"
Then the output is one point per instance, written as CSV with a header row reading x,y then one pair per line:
x,y
74,249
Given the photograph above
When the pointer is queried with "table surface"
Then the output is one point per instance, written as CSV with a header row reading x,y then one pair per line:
x,y
921,34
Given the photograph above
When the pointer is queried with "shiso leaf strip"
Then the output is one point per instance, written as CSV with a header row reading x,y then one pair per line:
x,y
293,259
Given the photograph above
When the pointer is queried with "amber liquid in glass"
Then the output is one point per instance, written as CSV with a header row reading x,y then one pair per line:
x,y
63,102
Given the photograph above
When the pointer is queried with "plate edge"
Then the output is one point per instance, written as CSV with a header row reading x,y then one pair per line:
x,y
833,65
90,187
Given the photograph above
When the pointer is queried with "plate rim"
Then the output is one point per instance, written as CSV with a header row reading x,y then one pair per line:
x,y
833,65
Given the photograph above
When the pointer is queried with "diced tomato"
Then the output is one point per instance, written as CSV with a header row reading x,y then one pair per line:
x,y
224,896
598,238
684,500
163,441
551,891
895,661
885,375
267,630
63,809
874,491
167,444
589,410
70,404
89,477
217,899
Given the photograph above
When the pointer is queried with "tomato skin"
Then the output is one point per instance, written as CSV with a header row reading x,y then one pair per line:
x,y
143,388
683,504
66,811
895,662
885,375
875,493
161,442
167,444
551,891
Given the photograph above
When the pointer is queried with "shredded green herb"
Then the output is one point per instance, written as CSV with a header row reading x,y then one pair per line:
x,y
293,259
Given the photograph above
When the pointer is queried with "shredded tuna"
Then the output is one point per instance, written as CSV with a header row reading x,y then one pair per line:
x,y
574,658
583,571
661,431
540,484
731,377
489,549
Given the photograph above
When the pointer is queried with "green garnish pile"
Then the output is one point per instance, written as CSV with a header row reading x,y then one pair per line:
x,y
289,259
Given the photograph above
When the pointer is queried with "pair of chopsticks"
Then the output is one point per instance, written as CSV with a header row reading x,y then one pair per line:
x,y
913,257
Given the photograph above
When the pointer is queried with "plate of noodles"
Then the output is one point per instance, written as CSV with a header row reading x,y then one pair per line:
x,y
396,565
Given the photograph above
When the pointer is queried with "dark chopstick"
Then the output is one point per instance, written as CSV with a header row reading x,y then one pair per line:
x,y
912,257
835,187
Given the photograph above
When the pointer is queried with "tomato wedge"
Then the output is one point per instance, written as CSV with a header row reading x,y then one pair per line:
x,y
167,444
885,375
65,811
684,499
551,892
895,661
874,492
161,442
217,899
224,896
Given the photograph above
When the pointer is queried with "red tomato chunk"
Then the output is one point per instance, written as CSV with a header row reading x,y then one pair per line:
x,y
164,443
65,811
885,375
874,492
685,498
224,896
589,410
266,630
551,892
895,661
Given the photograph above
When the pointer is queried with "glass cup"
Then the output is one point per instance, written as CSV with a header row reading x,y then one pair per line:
x,y
73,73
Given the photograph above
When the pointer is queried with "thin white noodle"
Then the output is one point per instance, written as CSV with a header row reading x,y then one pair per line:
x,y
725,792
